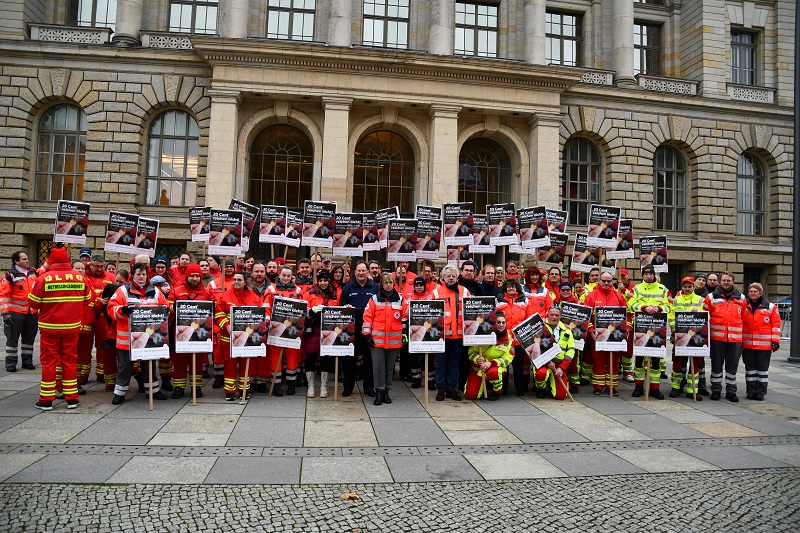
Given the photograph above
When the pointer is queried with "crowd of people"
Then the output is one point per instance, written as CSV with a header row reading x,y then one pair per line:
x,y
85,305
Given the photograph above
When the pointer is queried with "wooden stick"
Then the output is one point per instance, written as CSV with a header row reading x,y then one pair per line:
x,y
425,380
272,251
336,378
647,379
193,385
117,260
222,270
314,266
150,367
285,252
275,371
610,381
566,386
458,258
483,376
245,384
697,382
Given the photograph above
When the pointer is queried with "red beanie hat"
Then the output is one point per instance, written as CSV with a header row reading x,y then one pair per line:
x,y
193,269
59,255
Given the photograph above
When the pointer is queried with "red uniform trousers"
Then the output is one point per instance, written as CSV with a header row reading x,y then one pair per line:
x,y
233,369
474,387
546,378
602,376
182,363
291,358
58,350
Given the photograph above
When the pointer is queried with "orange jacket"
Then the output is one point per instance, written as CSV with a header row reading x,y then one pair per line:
x,y
131,295
600,297
14,289
230,298
383,319
293,291
453,307
516,311
540,300
761,325
61,296
725,315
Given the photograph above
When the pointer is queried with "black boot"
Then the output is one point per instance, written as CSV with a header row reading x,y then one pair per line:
x,y
638,391
290,388
177,392
385,398
416,383
378,397
166,384
219,381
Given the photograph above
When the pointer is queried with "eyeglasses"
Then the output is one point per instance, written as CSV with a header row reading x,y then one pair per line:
x,y
605,281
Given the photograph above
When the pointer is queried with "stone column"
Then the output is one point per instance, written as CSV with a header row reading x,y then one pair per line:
x,y
222,147
440,36
340,24
233,18
335,153
128,23
545,183
535,32
622,31
443,160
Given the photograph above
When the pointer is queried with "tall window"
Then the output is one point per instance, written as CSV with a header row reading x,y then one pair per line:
x,y
484,173
669,209
93,13
564,34
383,174
580,179
291,19
749,196
281,167
172,154
386,23
743,58
476,29
193,16
61,153
647,49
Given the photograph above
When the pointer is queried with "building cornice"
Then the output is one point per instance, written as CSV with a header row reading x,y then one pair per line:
x,y
261,53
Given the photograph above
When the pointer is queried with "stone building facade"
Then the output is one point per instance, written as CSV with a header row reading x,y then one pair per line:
x,y
678,111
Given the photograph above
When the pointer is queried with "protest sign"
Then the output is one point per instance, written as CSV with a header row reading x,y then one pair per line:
x,y
479,318
225,235
194,326
338,331
426,326
199,223
149,329
650,335
287,322
72,222
248,331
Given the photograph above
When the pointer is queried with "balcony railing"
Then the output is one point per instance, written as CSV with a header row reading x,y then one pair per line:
x,y
69,34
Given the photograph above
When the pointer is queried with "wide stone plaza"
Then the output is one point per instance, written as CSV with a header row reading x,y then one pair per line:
x,y
283,464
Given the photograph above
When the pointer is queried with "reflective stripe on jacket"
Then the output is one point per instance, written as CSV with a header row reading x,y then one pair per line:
x,y
130,295
383,319
60,295
761,326
14,289
725,315
453,307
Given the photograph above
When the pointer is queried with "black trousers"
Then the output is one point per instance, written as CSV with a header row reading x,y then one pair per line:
x,y
349,365
724,354
24,326
756,366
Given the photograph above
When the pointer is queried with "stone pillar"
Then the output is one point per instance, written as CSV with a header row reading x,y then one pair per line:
x,y
535,32
545,183
622,32
128,23
440,36
335,153
443,160
340,24
233,18
222,147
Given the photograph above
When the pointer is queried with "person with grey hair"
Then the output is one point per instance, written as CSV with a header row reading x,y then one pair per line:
x,y
447,363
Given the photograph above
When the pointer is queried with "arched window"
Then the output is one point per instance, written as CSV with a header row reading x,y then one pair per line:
x,y
281,167
172,159
383,173
750,194
484,173
61,154
669,206
580,179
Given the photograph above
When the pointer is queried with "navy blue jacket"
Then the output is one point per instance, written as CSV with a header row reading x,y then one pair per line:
x,y
358,296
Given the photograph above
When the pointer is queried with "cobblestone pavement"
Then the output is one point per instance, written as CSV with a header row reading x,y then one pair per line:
x,y
730,501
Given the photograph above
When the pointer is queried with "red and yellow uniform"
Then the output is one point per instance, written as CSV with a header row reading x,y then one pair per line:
x,y
499,355
544,376
182,361
230,298
60,295
602,375
291,356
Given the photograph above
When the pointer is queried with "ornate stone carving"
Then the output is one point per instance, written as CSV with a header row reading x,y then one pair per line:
x,y
59,77
65,34
751,94
667,85
588,114
597,77
171,41
172,83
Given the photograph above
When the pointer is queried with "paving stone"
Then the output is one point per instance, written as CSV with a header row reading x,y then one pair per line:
x,y
450,410
721,408
663,460
23,435
774,410
765,424
273,432
11,464
403,407
412,431
261,405
783,398
73,469
486,437
533,429
785,453
212,408
513,466
177,470
658,406
598,463
137,406
469,425
10,385
658,427
255,470
732,457
690,416
339,433
725,429
113,431
344,470
509,406
189,439
348,411
611,433
200,423
11,421
431,468
603,406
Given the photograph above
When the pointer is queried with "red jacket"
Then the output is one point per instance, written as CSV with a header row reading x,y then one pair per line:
x,y
540,300
290,291
177,275
60,295
131,295
600,297
230,298
383,319
14,289
725,315
761,325
453,306
516,311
